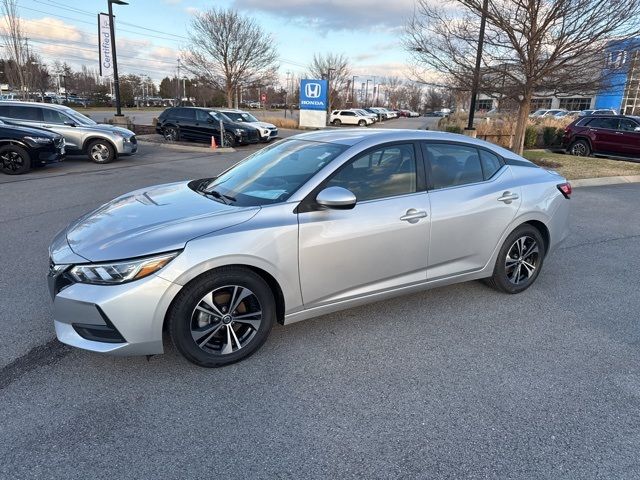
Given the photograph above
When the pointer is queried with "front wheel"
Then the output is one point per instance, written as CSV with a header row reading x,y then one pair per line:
x,y
519,260
101,151
229,140
14,160
222,317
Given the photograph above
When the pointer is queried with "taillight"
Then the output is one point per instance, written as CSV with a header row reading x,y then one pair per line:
x,y
565,189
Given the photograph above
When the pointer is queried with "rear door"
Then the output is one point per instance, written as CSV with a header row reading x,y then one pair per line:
x,y
602,132
185,119
28,115
473,198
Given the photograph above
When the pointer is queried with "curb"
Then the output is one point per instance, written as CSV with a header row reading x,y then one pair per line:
x,y
188,148
601,181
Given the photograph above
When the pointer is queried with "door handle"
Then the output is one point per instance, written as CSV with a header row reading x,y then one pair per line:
x,y
619,133
46,126
413,215
508,197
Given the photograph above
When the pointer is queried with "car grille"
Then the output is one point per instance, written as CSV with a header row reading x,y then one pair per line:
x,y
133,139
59,278
252,135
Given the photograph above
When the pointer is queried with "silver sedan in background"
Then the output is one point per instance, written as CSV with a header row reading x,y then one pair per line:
x,y
310,225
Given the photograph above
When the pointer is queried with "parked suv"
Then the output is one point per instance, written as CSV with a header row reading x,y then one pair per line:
x,y
22,148
349,117
101,143
200,124
608,135
267,131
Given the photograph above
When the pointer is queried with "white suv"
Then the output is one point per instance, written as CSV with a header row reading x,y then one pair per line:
x,y
349,117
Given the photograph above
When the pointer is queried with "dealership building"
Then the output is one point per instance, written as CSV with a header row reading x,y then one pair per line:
x,y
622,68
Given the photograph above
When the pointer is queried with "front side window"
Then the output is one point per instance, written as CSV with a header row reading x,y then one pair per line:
x,y
628,125
453,165
53,116
273,174
384,172
202,116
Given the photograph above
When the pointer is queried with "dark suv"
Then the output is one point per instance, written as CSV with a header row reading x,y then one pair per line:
x,y
616,135
200,124
22,148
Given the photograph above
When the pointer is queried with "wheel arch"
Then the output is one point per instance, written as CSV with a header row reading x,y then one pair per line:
x,y
4,143
269,279
544,232
91,138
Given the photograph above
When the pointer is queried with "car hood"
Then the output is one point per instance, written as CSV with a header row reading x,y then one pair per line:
x,y
262,124
105,128
151,220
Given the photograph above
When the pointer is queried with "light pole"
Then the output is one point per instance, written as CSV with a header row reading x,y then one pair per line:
x,y
116,81
476,73
366,93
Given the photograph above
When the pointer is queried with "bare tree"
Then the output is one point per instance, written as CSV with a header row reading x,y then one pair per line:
x,y
335,68
16,46
228,49
531,46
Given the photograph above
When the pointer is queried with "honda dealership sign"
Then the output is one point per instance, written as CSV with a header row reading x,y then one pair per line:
x,y
104,45
313,103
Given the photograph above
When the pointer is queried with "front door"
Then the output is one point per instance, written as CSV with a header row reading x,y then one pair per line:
x,y
381,243
474,198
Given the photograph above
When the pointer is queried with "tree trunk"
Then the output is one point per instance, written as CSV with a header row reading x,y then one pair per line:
x,y
521,123
229,90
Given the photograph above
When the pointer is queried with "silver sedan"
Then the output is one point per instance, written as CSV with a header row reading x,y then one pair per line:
x,y
310,225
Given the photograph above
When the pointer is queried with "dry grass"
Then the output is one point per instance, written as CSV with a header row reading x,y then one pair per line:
x,y
281,122
573,167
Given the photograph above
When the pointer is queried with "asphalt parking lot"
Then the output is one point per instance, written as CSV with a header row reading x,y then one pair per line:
x,y
457,382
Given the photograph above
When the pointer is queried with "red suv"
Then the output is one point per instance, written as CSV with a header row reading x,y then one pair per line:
x,y
617,135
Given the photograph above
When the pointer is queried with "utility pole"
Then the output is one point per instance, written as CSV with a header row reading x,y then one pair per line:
x,y
178,100
116,81
329,70
470,130
366,93
353,86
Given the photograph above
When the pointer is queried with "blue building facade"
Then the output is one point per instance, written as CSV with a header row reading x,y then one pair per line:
x,y
621,69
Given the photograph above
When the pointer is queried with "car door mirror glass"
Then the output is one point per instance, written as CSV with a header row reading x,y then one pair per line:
x,y
70,123
636,129
336,198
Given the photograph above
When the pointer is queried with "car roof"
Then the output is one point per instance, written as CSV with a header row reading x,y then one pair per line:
x,y
35,104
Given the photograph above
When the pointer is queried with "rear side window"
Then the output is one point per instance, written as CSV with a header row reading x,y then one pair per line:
x,y
610,123
453,165
490,164
185,114
24,113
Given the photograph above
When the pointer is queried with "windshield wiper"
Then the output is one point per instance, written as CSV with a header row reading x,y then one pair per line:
x,y
226,199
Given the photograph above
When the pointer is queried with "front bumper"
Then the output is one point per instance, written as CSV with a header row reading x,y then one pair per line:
x,y
130,147
122,319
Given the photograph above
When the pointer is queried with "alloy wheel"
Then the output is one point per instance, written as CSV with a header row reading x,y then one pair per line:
x,y
170,134
12,161
579,149
226,320
523,258
99,152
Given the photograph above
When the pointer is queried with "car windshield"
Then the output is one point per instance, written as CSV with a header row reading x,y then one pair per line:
x,y
78,117
241,117
272,174
220,116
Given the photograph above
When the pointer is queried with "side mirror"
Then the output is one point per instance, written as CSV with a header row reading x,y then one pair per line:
x,y
336,198
70,123
637,129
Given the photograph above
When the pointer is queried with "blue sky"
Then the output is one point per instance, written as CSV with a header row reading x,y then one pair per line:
x,y
367,31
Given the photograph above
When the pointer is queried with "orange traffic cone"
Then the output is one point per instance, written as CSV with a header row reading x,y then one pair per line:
x,y
213,142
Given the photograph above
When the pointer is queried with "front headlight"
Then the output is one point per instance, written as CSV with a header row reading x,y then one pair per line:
x,y
120,272
39,140
125,135
239,131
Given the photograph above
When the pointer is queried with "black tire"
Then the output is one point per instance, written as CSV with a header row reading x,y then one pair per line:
x,y
14,160
229,140
183,315
580,148
362,123
337,122
171,133
508,261
101,151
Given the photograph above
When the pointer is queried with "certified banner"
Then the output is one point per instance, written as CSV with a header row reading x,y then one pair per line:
x,y
104,45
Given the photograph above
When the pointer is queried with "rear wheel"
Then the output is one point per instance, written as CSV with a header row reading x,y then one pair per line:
x,y
101,151
171,134
14,160
580,148
337,122
222,317
519,260
362,123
